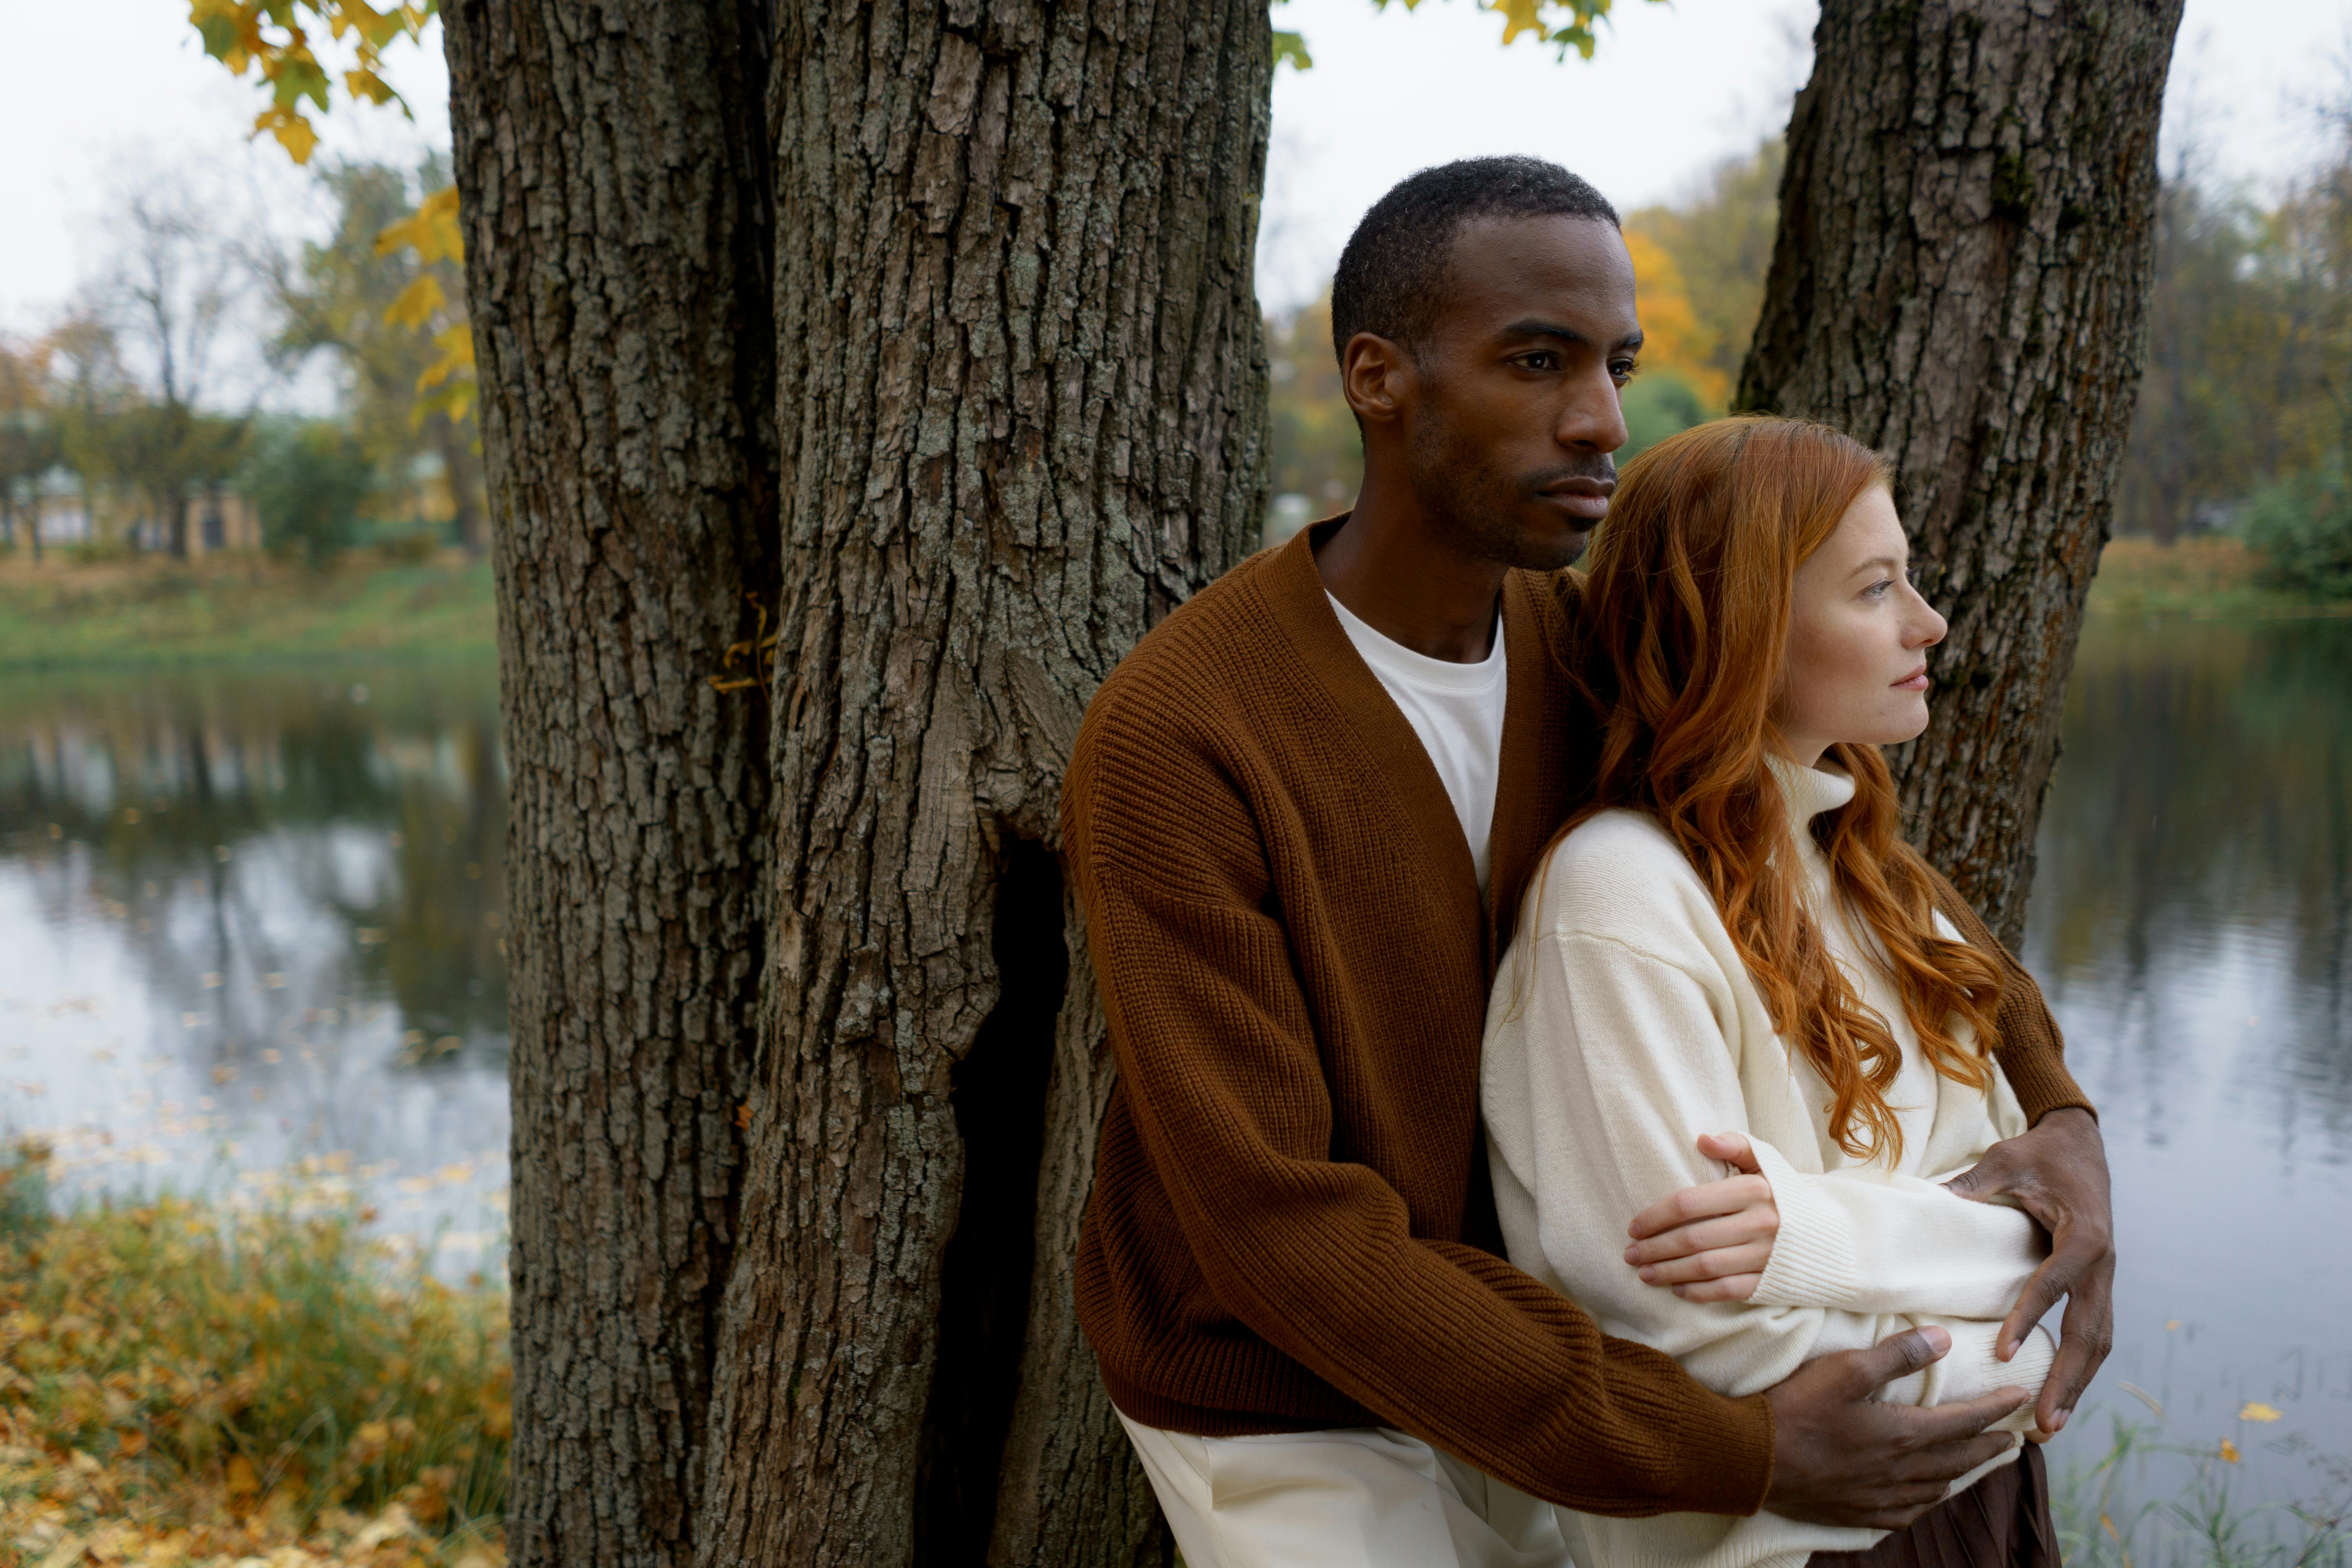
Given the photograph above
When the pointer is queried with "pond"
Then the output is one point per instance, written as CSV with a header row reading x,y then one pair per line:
x,y
250,939
2191,922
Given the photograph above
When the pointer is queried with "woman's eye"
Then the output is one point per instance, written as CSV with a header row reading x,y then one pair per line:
x,y
1880,589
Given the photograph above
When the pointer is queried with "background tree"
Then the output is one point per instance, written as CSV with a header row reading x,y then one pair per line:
x,y
1717,243
1960,280
88,388
1316,451
30,443
363,302
171,297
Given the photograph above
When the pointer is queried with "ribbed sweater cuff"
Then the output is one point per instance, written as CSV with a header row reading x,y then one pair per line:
x,y
2043,1085
1813,1262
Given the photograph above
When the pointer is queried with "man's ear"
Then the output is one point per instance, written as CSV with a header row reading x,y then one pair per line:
x,y
1377,377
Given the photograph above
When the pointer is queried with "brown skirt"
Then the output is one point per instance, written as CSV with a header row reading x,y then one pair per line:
x,y
2002,1521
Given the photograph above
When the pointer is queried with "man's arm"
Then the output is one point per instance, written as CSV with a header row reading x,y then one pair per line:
x,y
2057,1172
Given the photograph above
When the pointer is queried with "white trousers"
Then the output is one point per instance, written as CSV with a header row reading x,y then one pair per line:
x,y
1358,1497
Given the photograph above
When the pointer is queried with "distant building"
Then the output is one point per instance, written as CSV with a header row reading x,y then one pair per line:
x,y
66,511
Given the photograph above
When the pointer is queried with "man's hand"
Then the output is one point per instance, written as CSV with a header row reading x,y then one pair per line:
x,y
1840,1457
2058,1174
1710,1243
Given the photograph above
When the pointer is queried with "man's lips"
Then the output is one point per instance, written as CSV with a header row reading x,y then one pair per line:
x,y
1580,497
1914,681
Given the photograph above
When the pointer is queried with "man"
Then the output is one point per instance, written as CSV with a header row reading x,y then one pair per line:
x,y
1301,816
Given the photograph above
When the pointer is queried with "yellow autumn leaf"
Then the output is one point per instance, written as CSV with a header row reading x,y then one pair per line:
x,y
293,132
2230,1455
364,83
241,1480
417,303
452,373
1521,16
457,345
2256,1410
431,230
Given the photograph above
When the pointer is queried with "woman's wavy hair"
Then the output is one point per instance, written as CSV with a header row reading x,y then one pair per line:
x,y
1688,597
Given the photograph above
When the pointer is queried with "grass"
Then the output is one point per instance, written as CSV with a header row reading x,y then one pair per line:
x,y
240,607
183,1385
2209,577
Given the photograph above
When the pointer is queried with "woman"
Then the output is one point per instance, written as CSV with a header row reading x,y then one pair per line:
x,y
1731,955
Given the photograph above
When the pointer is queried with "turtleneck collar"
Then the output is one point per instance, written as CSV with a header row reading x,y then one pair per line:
x,y
1808,793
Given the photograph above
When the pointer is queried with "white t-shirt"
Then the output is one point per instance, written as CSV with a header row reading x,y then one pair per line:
x,y
1458,711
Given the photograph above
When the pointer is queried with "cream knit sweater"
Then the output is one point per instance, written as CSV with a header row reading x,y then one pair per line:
x,y
1623,1025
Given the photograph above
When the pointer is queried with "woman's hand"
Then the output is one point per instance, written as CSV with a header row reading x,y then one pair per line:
x,y
1710,1243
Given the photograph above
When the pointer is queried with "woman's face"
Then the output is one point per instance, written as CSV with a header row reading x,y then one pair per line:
x,y
1857,638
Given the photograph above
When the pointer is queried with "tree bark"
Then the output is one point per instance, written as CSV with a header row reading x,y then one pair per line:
x,y
1021,396
615,198
1960,280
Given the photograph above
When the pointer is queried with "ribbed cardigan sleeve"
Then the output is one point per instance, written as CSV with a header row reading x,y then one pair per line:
x,y
1218,1057
2031,1051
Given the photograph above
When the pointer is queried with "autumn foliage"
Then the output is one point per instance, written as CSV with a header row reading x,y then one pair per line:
x,y
179,1382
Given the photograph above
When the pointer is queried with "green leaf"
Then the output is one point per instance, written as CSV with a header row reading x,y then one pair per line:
x,y
298,78
1291,47
220,34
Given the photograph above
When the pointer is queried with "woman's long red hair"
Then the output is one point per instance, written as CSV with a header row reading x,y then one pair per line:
x,y
1688,598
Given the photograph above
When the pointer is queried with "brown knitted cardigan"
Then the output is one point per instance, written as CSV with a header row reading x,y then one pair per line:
x,y
1291,1226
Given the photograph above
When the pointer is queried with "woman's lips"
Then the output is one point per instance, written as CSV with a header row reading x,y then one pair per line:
x,y
1914,681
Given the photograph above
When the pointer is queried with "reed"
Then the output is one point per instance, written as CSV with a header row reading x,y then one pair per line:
x,y
2151,1501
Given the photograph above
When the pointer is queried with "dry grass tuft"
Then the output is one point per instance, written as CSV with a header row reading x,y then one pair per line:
x,y
273,1390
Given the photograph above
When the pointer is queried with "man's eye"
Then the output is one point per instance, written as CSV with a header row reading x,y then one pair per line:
x,y
1540,359
1625,370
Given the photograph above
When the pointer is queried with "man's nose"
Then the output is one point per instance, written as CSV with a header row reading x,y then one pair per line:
x,y
1594,419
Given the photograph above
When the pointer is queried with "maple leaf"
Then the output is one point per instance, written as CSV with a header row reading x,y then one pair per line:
x,y
417,302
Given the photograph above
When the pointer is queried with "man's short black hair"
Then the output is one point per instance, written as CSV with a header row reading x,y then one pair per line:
x,y
1391,277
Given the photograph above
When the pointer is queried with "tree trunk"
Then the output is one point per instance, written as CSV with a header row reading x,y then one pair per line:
x,y
1022,394
1960,280
615,200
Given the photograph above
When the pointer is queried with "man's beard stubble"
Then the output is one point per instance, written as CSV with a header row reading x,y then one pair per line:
x,y
1480,504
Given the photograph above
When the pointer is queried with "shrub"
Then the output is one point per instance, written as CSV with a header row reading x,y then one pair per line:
x,y
2303,525
277,1365
99,552
412,547
24,1190
308,484
1658,404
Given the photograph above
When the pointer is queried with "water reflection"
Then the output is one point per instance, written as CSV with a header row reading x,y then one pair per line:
x,y
253,917
2192,922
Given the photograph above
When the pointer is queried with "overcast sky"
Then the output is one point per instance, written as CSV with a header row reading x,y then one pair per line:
x,y
1674,88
